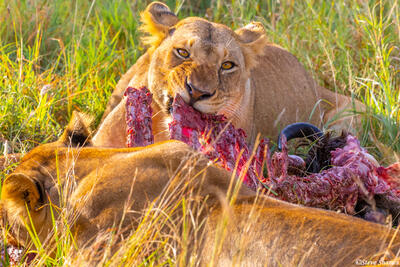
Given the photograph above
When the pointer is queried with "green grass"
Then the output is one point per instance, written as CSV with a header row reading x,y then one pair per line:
x,y
58,56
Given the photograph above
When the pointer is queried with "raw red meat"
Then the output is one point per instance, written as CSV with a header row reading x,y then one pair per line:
x,y
334,189
218,140
354,177
138,117
391,175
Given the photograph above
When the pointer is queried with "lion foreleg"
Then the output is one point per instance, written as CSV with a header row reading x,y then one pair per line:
x,y
112,131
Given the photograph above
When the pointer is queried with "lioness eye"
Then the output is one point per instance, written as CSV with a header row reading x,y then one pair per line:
x,y
227,65
182,52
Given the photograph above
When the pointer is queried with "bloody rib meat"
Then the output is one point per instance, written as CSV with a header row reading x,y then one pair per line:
x,y
218,139
138,117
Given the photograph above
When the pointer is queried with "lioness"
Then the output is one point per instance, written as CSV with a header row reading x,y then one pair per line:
x,y
111,187
258,85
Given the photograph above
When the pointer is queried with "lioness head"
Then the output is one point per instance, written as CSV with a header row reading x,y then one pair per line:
x,y
26,194
207,63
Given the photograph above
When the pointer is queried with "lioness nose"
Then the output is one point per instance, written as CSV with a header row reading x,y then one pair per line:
x,y
195,93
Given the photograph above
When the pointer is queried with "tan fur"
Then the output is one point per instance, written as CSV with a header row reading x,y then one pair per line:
x,y
103,181
267,90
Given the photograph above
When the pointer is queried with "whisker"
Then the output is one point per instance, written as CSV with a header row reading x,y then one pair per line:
x,y
156,113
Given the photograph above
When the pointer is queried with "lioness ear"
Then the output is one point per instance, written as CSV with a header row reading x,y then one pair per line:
x,y
157,19
77,132
20,189
253,39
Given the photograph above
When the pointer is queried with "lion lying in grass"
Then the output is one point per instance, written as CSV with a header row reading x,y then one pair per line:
x,y
113,190
257,85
